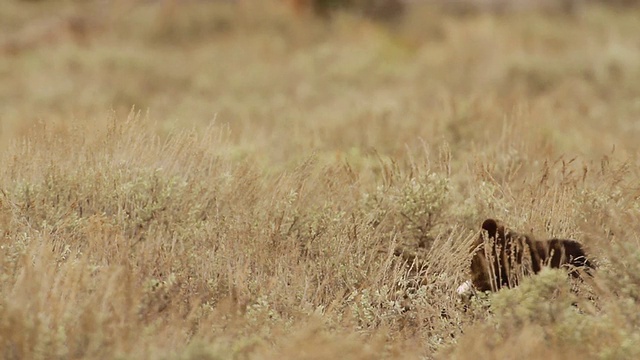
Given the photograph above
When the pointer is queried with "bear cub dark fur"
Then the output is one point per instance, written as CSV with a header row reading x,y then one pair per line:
x,y
502,257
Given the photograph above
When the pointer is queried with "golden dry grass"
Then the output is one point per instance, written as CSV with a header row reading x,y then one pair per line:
x,y
291,188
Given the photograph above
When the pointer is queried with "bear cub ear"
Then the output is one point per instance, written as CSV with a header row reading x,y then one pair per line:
x,y
491,227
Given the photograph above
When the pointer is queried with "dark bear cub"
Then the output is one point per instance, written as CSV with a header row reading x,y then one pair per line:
x,y
502,257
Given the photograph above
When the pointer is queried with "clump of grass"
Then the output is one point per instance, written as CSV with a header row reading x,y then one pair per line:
x,y
414,208
545,316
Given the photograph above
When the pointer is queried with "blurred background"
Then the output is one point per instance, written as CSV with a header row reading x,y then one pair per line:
x,y
327,69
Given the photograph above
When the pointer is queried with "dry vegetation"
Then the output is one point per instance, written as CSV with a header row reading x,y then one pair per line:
x,y
295,188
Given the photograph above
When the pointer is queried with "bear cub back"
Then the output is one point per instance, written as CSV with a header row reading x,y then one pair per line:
x,y
502,257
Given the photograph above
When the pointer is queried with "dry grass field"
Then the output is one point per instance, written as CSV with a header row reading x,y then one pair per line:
x,y
210,180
